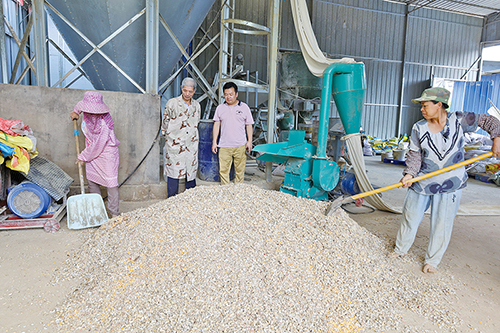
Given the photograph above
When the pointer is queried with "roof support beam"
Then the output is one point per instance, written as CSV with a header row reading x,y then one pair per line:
x,y
422,6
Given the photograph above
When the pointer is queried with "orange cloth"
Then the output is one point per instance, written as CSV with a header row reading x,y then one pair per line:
x,y
20,161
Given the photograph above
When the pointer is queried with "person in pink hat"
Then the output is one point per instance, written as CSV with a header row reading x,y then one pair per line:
x,y
101,155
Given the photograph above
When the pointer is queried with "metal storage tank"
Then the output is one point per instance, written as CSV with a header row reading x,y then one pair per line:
x,y
99,19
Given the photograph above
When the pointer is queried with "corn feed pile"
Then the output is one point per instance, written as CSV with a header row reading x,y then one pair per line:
x,y
238,258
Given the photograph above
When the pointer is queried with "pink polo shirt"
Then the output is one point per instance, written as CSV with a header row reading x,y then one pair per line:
x,y
233,120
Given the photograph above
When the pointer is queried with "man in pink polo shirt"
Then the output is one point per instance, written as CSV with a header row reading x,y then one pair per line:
x,y
234,120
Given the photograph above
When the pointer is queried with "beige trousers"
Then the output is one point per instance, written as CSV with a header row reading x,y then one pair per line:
x,y
226,157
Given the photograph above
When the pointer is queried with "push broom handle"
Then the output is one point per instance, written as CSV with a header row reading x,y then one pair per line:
x,y
80,172
425,176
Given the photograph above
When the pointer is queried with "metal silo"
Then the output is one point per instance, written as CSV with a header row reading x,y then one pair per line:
x,y
98,19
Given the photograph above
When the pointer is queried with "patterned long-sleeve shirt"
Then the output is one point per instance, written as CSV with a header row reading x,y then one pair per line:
x,y
180,124
433,151
101,154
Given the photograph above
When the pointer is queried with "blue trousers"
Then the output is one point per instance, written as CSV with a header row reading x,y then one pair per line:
x,y
444,208
173,186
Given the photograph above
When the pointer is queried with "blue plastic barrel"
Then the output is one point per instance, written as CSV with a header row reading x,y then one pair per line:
x,y
208,162
349,185
28,200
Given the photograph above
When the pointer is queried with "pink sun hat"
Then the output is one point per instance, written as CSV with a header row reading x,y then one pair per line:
x,y
92,103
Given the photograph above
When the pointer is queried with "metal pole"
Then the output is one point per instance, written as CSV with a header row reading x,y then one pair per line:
x,y
188,62
481,49
3,49
19,45
403,74
23,74
40,37
256,89
272,74
152,45
223,51
470,67
186,55
247,90
480,69
21,49
61,51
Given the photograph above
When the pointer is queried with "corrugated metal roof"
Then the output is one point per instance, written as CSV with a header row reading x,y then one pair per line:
x,y
469,7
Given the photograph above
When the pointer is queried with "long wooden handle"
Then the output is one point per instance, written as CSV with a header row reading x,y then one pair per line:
x,y
425,176
80,172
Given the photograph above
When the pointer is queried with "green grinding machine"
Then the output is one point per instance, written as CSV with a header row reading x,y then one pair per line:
x,y
308,171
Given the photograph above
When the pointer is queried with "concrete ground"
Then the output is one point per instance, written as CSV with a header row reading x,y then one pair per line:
x,y
473,256
28,293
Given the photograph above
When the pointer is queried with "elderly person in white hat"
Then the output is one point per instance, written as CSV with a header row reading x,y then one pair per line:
x,y
437,141
101,155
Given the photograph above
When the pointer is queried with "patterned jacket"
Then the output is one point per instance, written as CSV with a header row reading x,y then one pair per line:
x,y
180,125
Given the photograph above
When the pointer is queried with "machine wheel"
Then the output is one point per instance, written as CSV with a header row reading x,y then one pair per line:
x,y
51,226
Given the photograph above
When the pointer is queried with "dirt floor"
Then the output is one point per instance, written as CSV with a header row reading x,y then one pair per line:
x,y
28,258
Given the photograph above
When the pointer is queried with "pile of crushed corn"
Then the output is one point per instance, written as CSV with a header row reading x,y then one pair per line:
x,y
238,258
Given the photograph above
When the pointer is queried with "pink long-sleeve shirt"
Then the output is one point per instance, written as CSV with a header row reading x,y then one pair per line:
x,y
101,153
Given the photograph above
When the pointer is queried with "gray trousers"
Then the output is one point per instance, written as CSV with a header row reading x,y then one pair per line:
x,y
113,196
444,208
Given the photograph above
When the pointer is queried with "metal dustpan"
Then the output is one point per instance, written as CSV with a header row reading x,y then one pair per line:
x,y
84,210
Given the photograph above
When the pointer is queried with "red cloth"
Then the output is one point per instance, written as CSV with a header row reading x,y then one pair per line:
x,y
492,168
14,127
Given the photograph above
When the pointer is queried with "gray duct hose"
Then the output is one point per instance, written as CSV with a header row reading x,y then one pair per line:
x,y
358,162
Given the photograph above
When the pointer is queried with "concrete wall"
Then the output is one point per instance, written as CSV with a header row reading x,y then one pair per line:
x,y
136,117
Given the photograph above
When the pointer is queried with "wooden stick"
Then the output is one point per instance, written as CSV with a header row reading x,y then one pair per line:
x,y
425,176
80,171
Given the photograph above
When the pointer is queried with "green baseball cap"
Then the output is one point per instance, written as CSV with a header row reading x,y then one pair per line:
x,y
434,94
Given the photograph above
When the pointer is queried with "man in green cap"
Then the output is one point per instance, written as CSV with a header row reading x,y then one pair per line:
x,y
436,142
